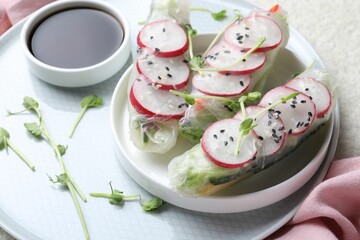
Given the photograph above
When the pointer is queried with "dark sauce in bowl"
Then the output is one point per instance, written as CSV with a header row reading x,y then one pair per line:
x,y
76,38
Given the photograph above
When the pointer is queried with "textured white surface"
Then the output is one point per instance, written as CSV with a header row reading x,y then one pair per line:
x,y
330,27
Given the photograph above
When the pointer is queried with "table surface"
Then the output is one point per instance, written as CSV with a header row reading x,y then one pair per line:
x,y
332,28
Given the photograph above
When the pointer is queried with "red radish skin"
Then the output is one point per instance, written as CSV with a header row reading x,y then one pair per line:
x,y
269,130
167,73
219,144
223,55
222,85
246,32
152,102
297,114
316,91
163,38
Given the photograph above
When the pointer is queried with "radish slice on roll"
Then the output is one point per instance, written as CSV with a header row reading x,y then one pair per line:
x,y
168,73
315,90
147,99
217,84
269,130
297,113
219,144
224,55
246,32
165,38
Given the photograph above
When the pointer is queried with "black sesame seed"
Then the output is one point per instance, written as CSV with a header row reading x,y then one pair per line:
x,y
185,61
138,79
281,128
303,101
225,143
164,30
240,42
260,138
293,106
306,89
269,123
310,97
216,54
231,138
215,136
241,83
167,68
247,28
149,62
247,35
159,77
294,102
310,114
169,75
157,49
222,130
276,140
239,37
151,37
290,131
306,124
227,51
242,50
298,124
227,73
244,60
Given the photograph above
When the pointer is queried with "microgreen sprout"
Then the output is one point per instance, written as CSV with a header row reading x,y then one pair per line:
x,y
5,143
249,123
190,33
39,130
234,105
218,16
91,101
258,44
117,197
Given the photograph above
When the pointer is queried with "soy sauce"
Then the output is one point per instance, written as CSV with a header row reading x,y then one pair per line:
x,y
76,38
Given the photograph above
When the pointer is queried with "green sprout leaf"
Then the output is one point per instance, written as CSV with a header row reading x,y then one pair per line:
x,y
152,204
5,143
30,104
34,129
63,179
62,149
196,62
253,96
91,101
217,16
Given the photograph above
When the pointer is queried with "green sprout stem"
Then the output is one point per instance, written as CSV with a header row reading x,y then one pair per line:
x,y
259,43
20,154
218,35
77,121
78,209
111,196
185,95
218,16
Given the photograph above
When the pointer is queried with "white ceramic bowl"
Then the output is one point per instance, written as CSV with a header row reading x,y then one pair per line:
x,y
75,77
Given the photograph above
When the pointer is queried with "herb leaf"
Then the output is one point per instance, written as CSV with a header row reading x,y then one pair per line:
x,y
152,204
30,104
62,149
218,16
91,101
34,129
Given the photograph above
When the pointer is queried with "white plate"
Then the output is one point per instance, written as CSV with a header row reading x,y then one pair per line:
x,y
34,209
267,187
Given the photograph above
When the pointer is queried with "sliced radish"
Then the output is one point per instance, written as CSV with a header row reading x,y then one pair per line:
x,y
147,99
219,144
223,55
168,73
245,33
315,90
216,84
165,38
269,130
297,113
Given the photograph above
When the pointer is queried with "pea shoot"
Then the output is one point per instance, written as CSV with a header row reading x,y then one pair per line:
x,y
5,143
117,197
217,16
249,123
40,131
91,101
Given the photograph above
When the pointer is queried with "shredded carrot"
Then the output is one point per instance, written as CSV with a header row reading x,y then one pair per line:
x,y
274,8
199,104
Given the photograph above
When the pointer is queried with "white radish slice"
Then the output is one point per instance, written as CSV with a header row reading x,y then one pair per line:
x,y
269,130
168,73
223,55
315,90
147,99
245,33
165,38
217,84
297,113
219,144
